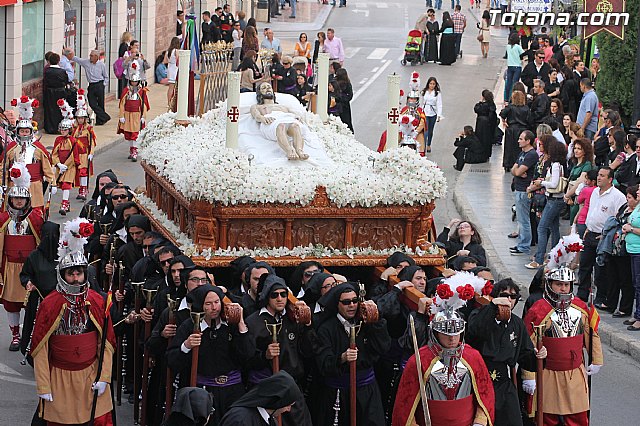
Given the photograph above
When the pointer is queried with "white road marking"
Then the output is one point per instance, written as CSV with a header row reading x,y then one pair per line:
x,y
371,80
350,52
360,5
17,380
364,80
375,69
378,53
366,12
5,369
382,5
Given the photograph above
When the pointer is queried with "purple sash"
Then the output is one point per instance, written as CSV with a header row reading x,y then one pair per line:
x,y
363,378
233,377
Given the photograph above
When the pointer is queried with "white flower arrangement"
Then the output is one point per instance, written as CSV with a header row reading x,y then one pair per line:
x,y
196,161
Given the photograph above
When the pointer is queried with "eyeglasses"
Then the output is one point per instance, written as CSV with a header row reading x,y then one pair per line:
x,y
540,57
165,262
119,197
198,280
347,302
330,285
277,294
311,273
510,295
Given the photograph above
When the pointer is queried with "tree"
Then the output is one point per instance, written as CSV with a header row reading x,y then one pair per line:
x,y
618,63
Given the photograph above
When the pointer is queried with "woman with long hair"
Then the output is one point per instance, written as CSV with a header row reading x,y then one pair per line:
x,y
552,183
125,39
342,77
468,149
556,111
484,27
318,46
172,67
334,106
248,78
303,47
580,163
249,40
486,121
461,238
432,107
447,40
594,69
515,52
515,119
302,89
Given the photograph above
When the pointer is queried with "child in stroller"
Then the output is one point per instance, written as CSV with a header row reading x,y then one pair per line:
x,y
412,48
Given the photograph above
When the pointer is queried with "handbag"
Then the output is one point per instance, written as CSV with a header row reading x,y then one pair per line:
x,y
480,37
562,184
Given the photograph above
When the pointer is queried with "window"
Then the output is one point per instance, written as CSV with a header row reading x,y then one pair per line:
x,y
32,40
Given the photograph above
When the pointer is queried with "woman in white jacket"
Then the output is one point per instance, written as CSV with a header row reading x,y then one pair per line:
x,y
432,107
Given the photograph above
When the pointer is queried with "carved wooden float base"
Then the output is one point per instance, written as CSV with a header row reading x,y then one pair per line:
x,y
289,225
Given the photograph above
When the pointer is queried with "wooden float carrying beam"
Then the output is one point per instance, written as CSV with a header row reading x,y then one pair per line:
x,y
410,296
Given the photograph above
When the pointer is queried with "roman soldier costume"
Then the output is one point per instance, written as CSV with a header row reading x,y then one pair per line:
x,y
86,141
31,152
134,105
68,342
416,120
567,326
65,155
458,388
20,227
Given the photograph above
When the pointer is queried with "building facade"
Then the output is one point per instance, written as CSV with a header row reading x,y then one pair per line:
x,y
30,28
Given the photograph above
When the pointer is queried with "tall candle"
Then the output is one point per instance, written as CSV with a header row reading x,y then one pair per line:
x,y
184,57
233,108
393,110
323,86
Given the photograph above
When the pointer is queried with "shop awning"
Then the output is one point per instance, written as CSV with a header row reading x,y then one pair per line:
x,y
7,2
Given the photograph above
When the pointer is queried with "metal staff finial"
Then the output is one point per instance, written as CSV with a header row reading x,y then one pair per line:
x,y
251,157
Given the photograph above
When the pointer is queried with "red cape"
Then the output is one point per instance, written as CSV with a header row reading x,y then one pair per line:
x,y
51,310
409,388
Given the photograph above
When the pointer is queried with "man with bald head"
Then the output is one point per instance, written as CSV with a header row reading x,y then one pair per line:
x,y
65,62
98,79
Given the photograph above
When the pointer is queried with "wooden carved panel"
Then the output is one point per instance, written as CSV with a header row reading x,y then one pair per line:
x,y
329,232
378,233
256,233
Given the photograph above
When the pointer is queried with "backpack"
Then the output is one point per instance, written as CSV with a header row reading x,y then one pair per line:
x,y
118,67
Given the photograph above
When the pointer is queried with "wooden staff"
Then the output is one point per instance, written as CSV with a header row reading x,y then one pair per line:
x,y
149,295
119,338
539,331
274,329
136,335
423,389
173,305
108,281
196,318
352,375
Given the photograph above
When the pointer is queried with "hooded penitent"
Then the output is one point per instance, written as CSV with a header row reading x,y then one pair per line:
x,y
107,173
331,299
314,285
408,272
267,285
197,296
397,258
271,393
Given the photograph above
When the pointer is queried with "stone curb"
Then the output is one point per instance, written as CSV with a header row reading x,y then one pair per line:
x,y
109,144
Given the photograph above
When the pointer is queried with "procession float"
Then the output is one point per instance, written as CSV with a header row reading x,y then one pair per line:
x,y
259,175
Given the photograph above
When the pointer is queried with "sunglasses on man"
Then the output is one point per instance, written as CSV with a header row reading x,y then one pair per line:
x,y
276,294
510,296
347,302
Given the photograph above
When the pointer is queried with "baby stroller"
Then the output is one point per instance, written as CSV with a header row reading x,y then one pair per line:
x,y
412,48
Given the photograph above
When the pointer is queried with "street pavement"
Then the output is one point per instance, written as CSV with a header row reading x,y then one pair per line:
x,y
374,34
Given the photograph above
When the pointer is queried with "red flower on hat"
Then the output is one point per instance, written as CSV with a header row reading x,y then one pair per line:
x,y
80,91
415,75
24,99
85,229
405,119
444,291
60,102
487,289
574,248
401,93
14,102
415,122
466,293
35,103
15,173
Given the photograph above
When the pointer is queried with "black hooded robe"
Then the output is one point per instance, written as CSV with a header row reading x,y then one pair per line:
x,y
40,269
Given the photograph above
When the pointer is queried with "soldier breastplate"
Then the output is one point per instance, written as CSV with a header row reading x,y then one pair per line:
x,y
18,228
446,383
27,156
565,323
75,317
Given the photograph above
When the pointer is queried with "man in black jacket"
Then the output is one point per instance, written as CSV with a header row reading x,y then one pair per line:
x,y
210,31
540,105
538,69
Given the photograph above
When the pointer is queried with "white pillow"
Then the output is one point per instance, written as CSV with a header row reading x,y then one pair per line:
x,y
247,99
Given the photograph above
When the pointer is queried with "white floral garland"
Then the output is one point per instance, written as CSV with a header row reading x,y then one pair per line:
x,y
196,161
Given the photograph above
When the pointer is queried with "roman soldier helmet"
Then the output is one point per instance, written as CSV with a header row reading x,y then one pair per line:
x,y
67,115
559,268
414,91
71,255
25,106
81,104
21,179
